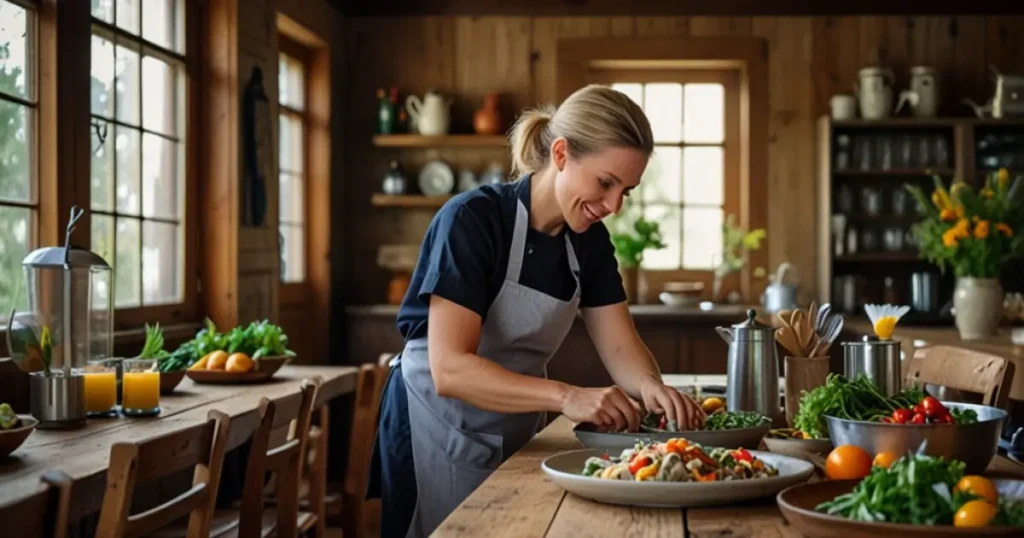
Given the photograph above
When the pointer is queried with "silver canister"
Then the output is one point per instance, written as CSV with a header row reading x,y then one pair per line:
x,y
879,360
57,401
752,370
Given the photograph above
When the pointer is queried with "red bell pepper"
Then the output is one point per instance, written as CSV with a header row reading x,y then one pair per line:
x,y
639,463
742,455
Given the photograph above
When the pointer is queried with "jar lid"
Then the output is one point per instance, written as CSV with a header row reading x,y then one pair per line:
x,y
922,70
54,257
875,70
751,329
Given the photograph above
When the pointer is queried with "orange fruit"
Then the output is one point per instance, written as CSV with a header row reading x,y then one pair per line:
x,y
201,363
847,462
975,513
885,459
712,404
217,360
979,486
238,363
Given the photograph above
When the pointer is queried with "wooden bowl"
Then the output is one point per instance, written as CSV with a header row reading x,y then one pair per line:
x,y
797,504
170,380
10,440
263,369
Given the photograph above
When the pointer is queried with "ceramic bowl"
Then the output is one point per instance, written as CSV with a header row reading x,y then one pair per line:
x,y
11,439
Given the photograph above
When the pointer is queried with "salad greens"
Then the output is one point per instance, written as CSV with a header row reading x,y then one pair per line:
x,y
257,339
851,400
915,489
734,420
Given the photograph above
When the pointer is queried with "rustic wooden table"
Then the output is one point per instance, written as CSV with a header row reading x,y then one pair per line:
x,y
519,501
84,453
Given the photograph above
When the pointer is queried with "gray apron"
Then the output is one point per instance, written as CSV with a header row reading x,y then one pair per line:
x,y
456,446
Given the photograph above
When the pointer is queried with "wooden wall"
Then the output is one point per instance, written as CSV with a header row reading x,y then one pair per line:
x,y
810,59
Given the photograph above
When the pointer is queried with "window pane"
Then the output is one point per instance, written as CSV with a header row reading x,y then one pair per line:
x,y
702,237
667,218
127,84
128,169
127,263
293,254
159,96
15,163
101,166
291,79
160,23
703,175
663,104
102,227
634,91
15,57
290,139
103,10
160,177
291,206
704,119
101,66
128,15
15,239
660,182
161,263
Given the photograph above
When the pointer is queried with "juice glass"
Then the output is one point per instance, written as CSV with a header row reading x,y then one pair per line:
x,y
140,388
100,388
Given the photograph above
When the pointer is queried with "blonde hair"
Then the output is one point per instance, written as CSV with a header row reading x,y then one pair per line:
x,y
591,119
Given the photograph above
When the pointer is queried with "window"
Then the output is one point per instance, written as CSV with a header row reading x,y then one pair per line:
x,y
686,183
293,121
18,172
138,171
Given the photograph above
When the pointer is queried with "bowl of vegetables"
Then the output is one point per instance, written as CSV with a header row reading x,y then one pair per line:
x,y
792,442
740,429
14,429
245,354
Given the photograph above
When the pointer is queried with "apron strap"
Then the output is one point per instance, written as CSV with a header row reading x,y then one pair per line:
x,y
515,253
574,264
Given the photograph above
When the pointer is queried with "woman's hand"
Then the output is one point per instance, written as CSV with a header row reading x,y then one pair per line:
x,y
661,398
607,407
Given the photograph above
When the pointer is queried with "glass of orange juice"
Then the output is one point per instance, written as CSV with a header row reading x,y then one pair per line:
x,y
140,388
100,388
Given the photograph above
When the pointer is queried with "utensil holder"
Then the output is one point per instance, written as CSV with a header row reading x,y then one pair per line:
x,y
802,374
57,401
879,360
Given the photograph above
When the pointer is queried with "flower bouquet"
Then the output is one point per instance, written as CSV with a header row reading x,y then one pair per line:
x,y
974,232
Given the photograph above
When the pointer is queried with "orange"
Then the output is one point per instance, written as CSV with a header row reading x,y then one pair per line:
x,y
238,363
975,513
885,459
217,360
847,462
979,486
711,405
201,363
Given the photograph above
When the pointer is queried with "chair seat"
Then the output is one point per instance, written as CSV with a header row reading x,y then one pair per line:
x,y
224,524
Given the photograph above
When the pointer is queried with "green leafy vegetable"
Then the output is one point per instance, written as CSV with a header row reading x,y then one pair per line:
x,y
257,339
851,400
8,418
964,416
734,420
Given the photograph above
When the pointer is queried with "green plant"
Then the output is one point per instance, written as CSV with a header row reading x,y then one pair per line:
x,y
736,243
631,241
974,232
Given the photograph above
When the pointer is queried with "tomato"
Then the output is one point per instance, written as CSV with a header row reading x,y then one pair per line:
x,y
919,410
663,423
888,420
638,464
944,419
917,419
901,416
980,486
976,513
605,457
932,406
885,459
847,462
742,455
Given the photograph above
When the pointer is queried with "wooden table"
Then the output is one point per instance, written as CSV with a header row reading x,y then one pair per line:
x,y
84,453
519,501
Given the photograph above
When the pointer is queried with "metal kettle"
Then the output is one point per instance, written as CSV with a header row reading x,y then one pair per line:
x,y
752,380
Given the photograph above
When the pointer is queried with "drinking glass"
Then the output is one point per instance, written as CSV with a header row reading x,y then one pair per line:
x,y
140,388
100,388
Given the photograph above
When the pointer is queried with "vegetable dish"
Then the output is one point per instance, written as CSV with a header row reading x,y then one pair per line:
x,y
719,420
678,460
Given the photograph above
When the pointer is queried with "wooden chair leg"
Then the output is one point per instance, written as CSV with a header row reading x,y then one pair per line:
x,y
318,481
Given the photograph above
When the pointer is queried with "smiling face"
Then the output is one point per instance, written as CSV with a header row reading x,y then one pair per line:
x,y
591,187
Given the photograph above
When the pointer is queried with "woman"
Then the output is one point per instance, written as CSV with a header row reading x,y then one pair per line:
x,y
502,272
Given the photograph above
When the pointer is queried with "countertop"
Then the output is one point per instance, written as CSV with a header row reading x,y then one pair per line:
x,y
724,313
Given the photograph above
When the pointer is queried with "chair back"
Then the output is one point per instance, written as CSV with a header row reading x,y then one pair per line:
x,y
43,513
369,386
965,370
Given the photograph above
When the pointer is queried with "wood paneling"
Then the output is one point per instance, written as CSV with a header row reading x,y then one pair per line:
x,y
810,60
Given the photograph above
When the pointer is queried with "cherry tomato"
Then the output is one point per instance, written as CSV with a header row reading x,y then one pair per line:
x,y
638,464
742,455
901,416
605,456
888,420
932,406
917,419
885,459
980,486
847,462
977,513
919,410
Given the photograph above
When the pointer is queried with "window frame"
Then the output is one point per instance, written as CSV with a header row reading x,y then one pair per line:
x,y
295,291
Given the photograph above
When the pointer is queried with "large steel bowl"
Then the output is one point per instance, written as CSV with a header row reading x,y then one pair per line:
x,y
974,444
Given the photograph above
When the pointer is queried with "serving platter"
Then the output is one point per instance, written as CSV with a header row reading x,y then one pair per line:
x,y
749,438
263,370
565,470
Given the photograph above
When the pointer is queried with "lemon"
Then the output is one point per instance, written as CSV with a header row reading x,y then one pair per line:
x,y
885,326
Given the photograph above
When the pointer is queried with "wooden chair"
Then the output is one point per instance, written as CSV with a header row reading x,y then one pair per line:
x,y
42,514
964,370
200,447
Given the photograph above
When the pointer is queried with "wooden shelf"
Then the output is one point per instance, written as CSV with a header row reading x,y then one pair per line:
x,y
926,123
408,200
440,141
880,257
896,172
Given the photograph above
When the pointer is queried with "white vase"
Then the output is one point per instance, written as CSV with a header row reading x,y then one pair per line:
x,y
978,304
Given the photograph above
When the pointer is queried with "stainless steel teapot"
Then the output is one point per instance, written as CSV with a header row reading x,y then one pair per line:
x,y
752,371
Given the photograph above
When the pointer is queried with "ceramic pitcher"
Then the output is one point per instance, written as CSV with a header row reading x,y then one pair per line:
x,y
874,92
923,96
431,114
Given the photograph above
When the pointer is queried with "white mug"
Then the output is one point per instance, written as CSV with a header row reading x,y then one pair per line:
x,y
844,107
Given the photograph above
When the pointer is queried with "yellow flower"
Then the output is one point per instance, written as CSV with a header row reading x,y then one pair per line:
x,y
987,193
937,200
960,211
1005,229
1002,177
947,215
956,188
949,238
981,230
962,230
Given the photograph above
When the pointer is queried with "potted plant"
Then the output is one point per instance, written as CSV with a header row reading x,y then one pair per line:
x,y
630,241
974,232
736,245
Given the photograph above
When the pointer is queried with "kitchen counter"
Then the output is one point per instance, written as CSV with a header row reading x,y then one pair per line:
x,y
724,313
916,337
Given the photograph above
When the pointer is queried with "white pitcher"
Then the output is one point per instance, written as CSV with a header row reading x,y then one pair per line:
x,y
923,95
431,114
874,92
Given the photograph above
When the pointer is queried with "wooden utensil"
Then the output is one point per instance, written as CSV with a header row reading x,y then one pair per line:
x,y
788,339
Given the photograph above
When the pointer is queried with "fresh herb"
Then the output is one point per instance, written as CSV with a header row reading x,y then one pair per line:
x,y
852,400
259,339
964,416
734,420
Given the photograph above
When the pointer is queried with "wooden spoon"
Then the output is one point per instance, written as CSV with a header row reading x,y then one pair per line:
x,y
788,339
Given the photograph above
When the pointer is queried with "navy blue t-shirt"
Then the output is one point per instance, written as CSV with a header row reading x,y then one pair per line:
x,y
465,252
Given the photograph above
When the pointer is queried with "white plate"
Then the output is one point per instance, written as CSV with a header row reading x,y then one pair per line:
x,y
565,470
436,178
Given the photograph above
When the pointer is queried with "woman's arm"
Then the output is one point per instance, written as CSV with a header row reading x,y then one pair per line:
x,y
453,336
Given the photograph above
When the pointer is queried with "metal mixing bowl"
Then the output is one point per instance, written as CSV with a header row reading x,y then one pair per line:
x,y
973,444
